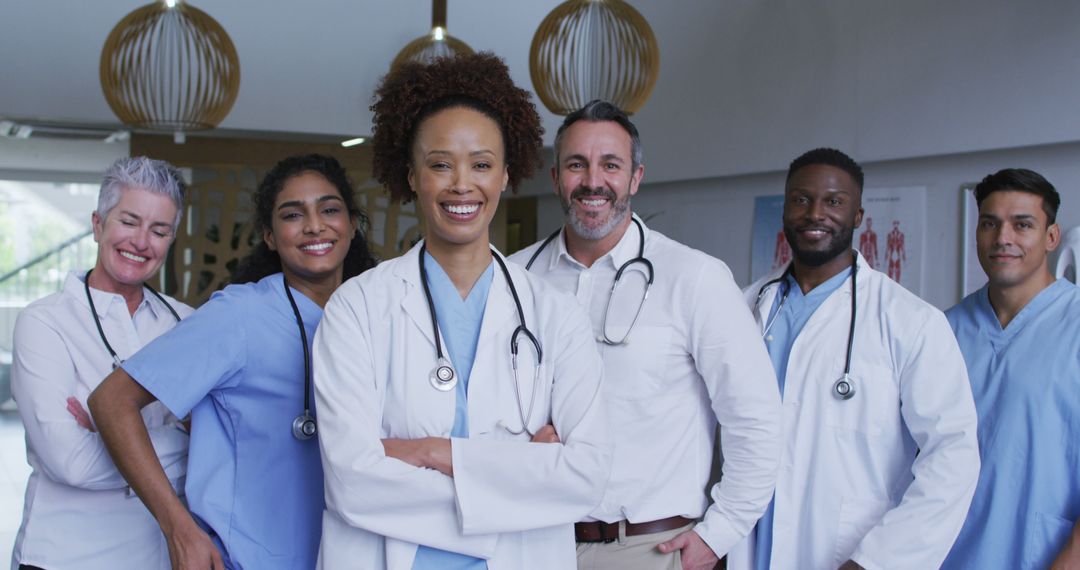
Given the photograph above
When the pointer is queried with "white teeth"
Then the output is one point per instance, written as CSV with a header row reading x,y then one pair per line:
x,y
133,257
462,209
317,246
594,203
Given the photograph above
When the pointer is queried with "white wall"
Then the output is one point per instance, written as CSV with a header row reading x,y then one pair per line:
x,y
716,214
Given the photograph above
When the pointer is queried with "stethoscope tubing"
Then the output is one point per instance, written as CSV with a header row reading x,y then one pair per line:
x,y
848,388
97,320
521,330
650,275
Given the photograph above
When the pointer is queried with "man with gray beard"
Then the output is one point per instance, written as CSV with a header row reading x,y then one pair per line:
x,y
680,352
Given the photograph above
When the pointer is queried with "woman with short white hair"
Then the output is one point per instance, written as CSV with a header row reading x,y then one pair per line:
x,y
79,511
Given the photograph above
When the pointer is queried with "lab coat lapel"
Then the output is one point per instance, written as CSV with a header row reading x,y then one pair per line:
x,y
415,303
492,348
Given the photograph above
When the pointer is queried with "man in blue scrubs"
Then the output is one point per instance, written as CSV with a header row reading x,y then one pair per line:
x,y
1020,335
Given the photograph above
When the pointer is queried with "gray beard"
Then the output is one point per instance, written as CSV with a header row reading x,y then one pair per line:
x,y
619,211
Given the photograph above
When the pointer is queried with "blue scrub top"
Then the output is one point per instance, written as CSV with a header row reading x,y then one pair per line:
x,y
1026,383
794,313
237,365
459,324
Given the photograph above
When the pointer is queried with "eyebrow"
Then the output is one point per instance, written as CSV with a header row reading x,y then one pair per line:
x,y
139,218
472,153
608,157
1016,217
300,203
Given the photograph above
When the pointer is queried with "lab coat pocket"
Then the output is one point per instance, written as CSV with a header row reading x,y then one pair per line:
x,y
857,517
1047,535
873,410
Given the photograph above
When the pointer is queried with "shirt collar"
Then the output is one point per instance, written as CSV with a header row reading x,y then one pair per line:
x,y
105,301
625,250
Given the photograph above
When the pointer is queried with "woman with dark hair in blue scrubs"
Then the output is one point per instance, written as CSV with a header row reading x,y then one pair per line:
x,y
241,366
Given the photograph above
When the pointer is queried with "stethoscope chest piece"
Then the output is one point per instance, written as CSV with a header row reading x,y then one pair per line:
x,y
303,427
844,388
442,376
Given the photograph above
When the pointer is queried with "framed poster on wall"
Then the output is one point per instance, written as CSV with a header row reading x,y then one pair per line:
x,y
972,276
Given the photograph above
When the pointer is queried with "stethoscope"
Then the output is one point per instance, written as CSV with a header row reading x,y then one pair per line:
x,y
844,387
303,427
604,338
97,320
443,377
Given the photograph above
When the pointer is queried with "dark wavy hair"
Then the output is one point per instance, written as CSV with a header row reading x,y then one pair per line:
x,y
413,92
262,261
1021,180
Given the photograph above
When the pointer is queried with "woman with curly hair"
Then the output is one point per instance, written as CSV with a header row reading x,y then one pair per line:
x,y
241,366
446,378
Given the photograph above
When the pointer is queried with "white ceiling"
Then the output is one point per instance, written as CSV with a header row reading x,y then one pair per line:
x,y
745,85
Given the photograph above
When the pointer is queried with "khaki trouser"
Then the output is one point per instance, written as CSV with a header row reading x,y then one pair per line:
x,y
630,552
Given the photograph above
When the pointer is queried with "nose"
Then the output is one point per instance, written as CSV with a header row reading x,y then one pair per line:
x,y
1003,235
140,240
313,224
594,178
459,181
816,210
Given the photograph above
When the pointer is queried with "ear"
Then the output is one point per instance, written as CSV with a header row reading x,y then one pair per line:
x,y
555,179
98,224
411,177
1053,237
859,217
506,177
635,179
268,239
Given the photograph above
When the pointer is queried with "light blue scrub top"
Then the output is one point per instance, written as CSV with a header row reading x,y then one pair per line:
x,y
459,325
786,326
237,365
1026,383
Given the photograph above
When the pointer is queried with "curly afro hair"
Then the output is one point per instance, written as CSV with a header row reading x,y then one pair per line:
x,y
413,92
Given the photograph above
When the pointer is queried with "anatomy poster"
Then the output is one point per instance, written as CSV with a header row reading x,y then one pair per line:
x,y
892,233
891,237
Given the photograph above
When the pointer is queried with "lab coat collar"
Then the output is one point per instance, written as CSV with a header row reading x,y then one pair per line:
x,y
625,250
766,296
499,307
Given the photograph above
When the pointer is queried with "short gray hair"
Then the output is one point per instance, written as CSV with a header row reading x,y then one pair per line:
x,y
156,176
596,111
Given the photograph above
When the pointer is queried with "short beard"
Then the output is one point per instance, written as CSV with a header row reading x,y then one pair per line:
x,y
620,209
840,244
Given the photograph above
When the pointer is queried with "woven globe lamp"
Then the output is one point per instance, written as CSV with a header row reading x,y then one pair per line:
x,y
438,43
169,66
594,49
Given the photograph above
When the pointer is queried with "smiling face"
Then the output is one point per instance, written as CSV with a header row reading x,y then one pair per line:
x,y
458,172
822,208
133,239
595,177
311,232
1014,238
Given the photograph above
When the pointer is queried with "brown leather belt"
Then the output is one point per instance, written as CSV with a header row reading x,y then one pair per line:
x,y
609,532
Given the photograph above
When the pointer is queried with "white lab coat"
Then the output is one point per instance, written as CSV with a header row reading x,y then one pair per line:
x,y
886,477
510,501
